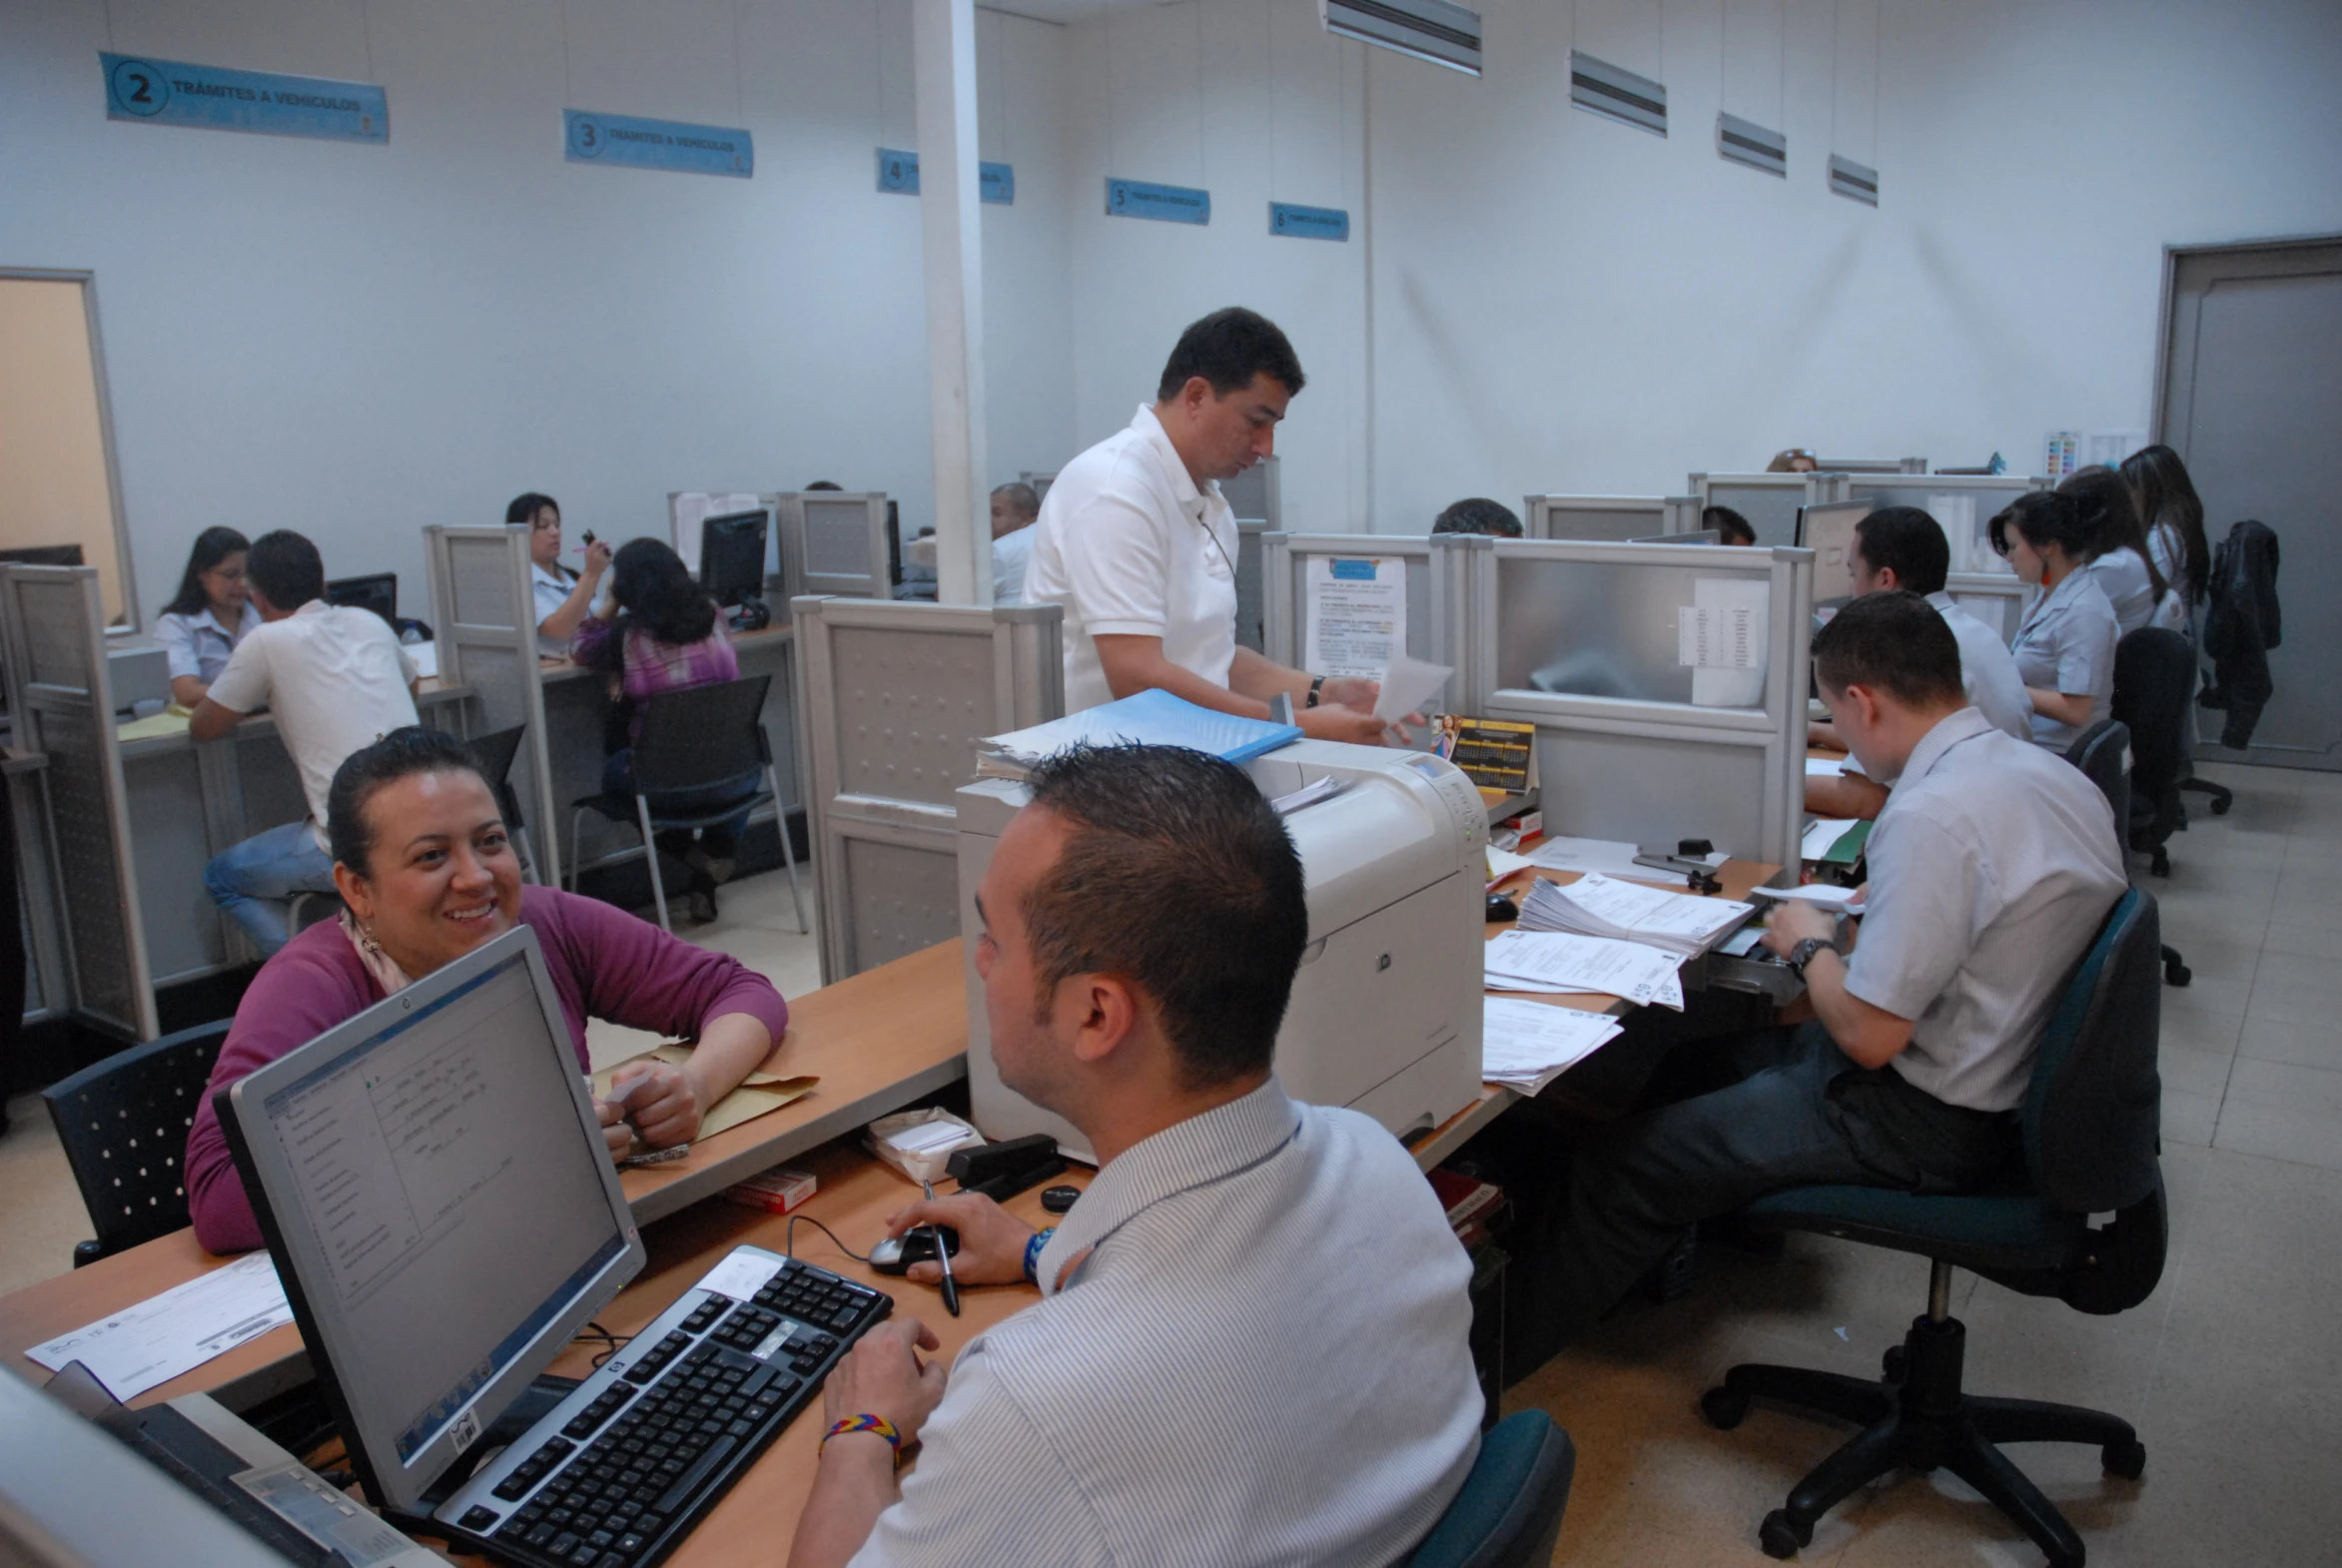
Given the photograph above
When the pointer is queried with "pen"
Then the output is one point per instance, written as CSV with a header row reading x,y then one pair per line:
x,y
943,1255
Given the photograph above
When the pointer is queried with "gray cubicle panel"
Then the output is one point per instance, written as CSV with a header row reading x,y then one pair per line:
x,y
1253,496
833,543
1616,519
1963,503
484,610
894,696
1433,566
1997,598
1584,641
1251,610
1770,500
1828,530
1872,464
55,628
1040,482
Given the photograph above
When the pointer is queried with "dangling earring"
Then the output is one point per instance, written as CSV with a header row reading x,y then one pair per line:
x,y
366,939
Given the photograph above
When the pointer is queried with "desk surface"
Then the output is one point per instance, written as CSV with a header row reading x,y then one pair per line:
x,y
431,692
551,670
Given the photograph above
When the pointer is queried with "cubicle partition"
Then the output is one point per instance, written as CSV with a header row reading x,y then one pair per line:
x,y
89,940
1615,518
1668,685
487,621
1770,500
1965,504
1872,464
833,542
895,697
1300,571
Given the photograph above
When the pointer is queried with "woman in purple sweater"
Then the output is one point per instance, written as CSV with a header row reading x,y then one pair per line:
x,y
428,874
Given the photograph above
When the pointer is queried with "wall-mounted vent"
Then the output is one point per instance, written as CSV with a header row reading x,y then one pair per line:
x,y
1617,94
1746,142
1430,30
1854,182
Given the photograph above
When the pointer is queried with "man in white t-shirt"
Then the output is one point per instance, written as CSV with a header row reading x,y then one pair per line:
x,y
1015,510
335,680
1135,541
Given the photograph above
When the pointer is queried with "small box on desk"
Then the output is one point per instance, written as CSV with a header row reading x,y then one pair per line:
x,y
779,1190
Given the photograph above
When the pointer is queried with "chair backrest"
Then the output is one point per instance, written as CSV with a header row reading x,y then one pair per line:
x,y
2102,752
2093,1111
2154,681
124,1125
701,735
1509,1511
496,752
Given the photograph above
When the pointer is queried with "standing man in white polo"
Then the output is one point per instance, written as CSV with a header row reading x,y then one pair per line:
x,y
1136,544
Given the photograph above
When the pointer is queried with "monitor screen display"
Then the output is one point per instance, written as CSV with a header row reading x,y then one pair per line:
x,y
731,556
377,592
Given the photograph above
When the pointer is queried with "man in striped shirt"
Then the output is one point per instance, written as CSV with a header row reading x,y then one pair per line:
x,y
1250,1346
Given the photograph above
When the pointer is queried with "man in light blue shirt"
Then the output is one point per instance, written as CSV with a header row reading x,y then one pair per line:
x,y
1250,1345
1015,509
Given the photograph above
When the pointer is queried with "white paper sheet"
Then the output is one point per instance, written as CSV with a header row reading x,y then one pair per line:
x,y
1555,960
1409,685
1826,767
1504,863
1605,855
426,656
1357,617
1678,919
1822,895
741,1275
1527,1044
1736,614
150,1343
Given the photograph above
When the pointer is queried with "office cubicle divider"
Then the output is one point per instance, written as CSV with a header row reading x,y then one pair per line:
x,y
833,542
893,696
1872,464
484,610
1255,496
54,623
1251,609
1998,599
1668,684
1431,601
1965,504
1616,519
1770,500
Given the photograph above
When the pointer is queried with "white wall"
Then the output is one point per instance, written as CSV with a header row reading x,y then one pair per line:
x,y
1564,304
359,341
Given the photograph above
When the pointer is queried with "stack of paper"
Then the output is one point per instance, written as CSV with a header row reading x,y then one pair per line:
x,y
1527,1044
1603,906
1554,962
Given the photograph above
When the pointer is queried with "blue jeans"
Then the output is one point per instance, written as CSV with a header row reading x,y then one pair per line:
x,y
256,880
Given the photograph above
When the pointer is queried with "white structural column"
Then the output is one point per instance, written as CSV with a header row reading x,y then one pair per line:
x,y
952,238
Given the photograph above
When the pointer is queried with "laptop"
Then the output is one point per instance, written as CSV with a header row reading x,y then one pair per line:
x,y
432,1183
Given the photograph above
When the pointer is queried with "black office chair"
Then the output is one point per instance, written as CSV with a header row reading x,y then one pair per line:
x,y
124,1125
1509,1511
2091,1147
2155,673
691,739
2104,753
496,752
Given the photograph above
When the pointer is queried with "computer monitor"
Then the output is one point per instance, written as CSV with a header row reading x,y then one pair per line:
x,y
434,1186
731,556
1828,529
377,592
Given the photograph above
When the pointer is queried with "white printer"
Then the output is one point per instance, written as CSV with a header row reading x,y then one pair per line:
x,y
1386,1012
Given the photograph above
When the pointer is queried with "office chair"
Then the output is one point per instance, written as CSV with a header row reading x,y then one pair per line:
x,y
2090,1140
1508,1513
691,739
496,752
2154,671
124,1125
2104,753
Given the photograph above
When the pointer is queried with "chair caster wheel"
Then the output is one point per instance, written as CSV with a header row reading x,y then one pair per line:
x,y
1895,1363
2160,865
1724,1408
2128,1461
1781,1536
2220,807
2177,974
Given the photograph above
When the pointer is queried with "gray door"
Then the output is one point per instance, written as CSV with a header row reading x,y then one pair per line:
x,y
2252,400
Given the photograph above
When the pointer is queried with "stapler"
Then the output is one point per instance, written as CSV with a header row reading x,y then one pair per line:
x,y
1003,1169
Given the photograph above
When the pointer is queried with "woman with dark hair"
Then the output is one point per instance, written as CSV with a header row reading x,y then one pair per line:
x,y
427,875
2174,519
2065,649
1731,527
657,631
209,616
2118,545
562,597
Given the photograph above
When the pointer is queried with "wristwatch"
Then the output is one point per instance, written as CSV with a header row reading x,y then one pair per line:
x,y
1316,685
1802,954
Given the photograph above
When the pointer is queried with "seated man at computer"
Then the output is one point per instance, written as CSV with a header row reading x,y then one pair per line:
x,y
1478,514
335,680
1015,510
1991,868
1169,1400
1904,547
426,874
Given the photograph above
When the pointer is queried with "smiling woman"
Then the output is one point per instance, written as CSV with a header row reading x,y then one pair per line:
x,y
427,873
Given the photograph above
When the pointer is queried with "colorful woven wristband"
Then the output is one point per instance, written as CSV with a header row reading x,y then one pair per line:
x,y
866,1423
1033,1254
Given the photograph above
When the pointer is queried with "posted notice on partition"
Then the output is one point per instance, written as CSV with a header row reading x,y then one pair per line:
x,y
1357,617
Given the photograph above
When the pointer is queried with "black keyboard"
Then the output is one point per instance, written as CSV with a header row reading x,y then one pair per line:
x,y
622,1481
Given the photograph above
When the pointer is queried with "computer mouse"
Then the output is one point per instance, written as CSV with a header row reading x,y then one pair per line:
x,y
898,1252
1502,908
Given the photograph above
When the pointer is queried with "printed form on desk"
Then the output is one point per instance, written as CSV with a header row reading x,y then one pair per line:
x,y
149,1344
1558,963
1527,1044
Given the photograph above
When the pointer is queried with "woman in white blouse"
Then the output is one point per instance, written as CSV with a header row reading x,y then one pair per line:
x,y
2117,549
563,598
2175,518
2064,651
202,625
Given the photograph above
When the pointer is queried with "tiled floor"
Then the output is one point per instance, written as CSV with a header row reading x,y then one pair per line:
x,y
2229,1370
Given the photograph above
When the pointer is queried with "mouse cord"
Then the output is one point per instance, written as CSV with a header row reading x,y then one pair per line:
x,y
788,1237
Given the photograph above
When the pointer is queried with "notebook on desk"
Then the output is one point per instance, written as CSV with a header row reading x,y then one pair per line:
x,y
434,1186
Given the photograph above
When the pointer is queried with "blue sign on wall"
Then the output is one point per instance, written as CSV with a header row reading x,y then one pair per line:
x,y
898,175
1308,222
624,142
169,92
1176,204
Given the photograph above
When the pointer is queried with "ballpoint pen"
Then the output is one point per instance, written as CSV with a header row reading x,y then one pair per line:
x,y
943,1255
